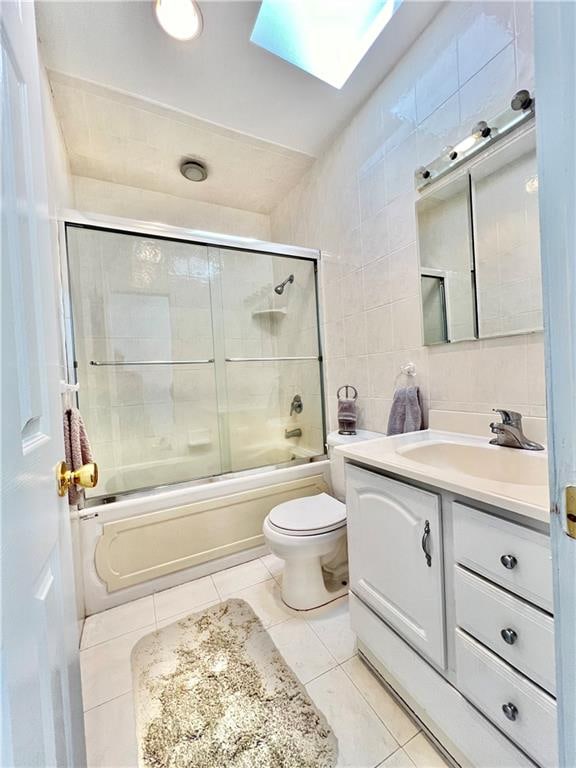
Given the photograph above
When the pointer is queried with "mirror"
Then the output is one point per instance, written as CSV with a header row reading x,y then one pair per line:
x,y
507,241
478,240
447,264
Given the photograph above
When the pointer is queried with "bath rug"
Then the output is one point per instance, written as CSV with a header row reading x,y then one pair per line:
x,y
213,691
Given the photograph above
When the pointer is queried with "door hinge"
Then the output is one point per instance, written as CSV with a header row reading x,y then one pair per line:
x,y
571,511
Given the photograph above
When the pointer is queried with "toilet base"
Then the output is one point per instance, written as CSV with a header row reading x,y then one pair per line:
x,y
304,585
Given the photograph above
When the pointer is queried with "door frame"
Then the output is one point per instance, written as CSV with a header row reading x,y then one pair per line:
x,y
555,72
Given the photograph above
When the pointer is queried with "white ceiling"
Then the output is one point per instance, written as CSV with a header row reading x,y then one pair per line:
x,y
220,77
126,140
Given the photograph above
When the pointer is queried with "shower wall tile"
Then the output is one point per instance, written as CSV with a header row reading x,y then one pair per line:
x,y
465,67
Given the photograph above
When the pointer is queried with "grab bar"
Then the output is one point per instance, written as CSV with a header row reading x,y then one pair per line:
x,y
268,359
151,362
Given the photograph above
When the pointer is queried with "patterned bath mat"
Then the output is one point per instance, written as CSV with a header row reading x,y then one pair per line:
x,y
212,691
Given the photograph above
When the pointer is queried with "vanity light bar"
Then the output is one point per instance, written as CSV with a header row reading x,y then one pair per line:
x,y
483,135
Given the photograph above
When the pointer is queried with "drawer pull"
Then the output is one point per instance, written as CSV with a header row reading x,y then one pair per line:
x,y
425,549
509,636
509,561
510,710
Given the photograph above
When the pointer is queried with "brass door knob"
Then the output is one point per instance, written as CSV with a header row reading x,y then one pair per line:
x,y
86,476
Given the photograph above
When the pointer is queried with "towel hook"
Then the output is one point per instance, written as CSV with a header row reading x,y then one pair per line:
x,y
408,370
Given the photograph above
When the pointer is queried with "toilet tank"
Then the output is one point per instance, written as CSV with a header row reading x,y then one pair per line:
x,y
337,462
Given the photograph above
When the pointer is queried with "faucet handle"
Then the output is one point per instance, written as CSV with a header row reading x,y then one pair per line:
x,y
512,418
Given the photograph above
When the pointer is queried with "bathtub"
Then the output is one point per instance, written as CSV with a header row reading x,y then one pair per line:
x,y
156,540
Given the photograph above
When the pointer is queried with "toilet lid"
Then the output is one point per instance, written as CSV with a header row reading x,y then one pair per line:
x,y
309,515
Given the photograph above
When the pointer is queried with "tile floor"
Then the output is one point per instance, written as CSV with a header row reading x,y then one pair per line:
x,y
372,730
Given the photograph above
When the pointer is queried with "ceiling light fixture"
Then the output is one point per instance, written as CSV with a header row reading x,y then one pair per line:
x,y
181,19
193,170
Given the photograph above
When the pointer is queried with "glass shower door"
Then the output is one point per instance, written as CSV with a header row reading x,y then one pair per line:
x,y
270,377
142,319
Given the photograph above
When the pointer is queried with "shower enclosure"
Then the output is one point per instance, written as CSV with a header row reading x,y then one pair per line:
x,y
189,357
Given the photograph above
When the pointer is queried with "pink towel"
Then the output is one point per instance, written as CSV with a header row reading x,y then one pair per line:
x,y
77,448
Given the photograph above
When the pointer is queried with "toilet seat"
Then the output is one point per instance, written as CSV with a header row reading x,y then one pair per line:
x,y
308,516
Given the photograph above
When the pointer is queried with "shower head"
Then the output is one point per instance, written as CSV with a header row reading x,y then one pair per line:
x,y
280,287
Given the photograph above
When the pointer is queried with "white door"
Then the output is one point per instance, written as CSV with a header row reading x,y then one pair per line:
x,y
41,703
395,553
555,64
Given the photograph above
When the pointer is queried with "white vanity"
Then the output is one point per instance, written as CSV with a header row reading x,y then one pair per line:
x,y
451,585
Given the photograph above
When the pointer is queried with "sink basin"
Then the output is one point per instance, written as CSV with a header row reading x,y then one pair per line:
x,y
489,462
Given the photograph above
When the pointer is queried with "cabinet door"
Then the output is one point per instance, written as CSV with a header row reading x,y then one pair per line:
x,y
389,524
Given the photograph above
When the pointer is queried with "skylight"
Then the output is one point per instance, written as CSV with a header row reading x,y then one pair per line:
x,y
327,38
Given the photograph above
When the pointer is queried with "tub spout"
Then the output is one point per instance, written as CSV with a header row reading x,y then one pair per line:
x,y
288,433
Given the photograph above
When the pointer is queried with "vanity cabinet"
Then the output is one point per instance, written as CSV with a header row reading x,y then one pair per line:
x,y
395,554
466,592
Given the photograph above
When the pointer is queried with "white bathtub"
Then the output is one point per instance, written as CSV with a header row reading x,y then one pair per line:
x,y
139,545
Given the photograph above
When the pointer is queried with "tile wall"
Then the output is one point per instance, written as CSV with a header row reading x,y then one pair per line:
x,y
357,205
105,197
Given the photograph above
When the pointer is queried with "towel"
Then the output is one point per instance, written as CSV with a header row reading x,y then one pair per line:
x,y
347,416
77,448
406,411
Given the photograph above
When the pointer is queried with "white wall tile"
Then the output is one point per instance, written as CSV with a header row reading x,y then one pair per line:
x,y
465,68
488,28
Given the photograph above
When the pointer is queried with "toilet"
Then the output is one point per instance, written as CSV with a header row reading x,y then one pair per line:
x,y
309,534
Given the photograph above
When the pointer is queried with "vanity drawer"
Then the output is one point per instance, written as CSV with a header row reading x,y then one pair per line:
x,y
486,612
493,685
515,557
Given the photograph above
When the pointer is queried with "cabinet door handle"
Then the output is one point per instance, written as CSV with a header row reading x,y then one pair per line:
x,y
510,710
425,543
509,636
509,561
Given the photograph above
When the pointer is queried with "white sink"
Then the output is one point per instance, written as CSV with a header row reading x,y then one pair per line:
x,y
488,462
466,464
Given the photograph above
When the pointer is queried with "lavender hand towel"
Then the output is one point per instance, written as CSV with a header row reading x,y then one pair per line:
x,y
406,411
77,448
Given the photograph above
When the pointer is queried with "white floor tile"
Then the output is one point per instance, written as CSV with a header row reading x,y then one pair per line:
x,y
363,741
332,625
105,668
266,602
111,734
423,754
304,653
275,565
398,760
178,616
241,576
118,621
184,598
392,715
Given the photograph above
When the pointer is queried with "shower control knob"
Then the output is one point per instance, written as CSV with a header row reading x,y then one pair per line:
x,y
509,561
521,101
509,636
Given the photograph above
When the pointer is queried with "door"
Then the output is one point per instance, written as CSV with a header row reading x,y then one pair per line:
x,y
555,64
395,553
41,700
144,356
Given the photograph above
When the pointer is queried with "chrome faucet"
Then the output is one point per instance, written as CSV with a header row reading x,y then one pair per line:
x,y
288,433
509,432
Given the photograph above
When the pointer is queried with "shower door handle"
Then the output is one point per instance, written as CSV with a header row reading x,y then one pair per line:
x,y
268,359
99,363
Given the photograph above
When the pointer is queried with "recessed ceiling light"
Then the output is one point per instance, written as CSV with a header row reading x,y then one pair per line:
x,y
193,170
181,19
